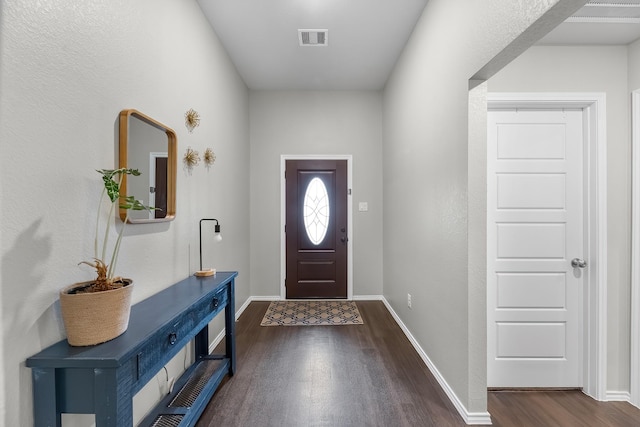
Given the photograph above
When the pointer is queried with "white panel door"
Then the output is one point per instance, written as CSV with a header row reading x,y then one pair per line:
x,y
534,230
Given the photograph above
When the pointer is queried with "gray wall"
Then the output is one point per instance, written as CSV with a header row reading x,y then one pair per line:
x,y
67,69
434,202
300,122
594,69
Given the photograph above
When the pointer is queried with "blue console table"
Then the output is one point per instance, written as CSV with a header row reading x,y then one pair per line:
x,y
102,379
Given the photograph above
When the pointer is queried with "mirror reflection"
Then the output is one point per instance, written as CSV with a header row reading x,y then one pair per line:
x,y
150,147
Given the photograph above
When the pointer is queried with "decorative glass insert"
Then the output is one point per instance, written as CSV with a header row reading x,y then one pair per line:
x,y
316,211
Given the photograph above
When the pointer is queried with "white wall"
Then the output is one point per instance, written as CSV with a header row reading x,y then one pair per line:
x,y
431,220
299,122
67,68
477,243
594,69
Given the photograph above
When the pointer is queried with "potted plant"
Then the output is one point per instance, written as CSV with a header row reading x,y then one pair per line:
x,y
98,310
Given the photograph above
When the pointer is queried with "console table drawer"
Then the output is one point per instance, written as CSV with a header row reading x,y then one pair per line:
x,y
168,341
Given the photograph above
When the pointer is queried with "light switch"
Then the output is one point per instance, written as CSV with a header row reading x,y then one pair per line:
x,y
363,206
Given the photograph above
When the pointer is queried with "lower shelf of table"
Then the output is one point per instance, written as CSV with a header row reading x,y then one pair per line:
x,y
190,395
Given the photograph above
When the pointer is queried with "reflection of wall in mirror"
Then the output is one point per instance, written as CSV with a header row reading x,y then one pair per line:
x,y
145,141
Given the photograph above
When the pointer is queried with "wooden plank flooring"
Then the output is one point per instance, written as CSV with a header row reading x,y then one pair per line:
x,y
558,408
367,375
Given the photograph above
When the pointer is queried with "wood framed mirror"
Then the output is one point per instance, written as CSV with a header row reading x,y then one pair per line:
x,y
150,147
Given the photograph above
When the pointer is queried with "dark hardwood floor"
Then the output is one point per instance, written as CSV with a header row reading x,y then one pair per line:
x,y
558,408
367,375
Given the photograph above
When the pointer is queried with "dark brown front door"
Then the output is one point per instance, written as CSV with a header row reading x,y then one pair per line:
x,y
316,228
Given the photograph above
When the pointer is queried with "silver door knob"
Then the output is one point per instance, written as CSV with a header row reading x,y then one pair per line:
x,y
578,263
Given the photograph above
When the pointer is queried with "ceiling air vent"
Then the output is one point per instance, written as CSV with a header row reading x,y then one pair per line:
x,y
313,37
618,11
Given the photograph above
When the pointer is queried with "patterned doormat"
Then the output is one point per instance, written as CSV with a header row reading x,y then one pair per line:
x,y
309,313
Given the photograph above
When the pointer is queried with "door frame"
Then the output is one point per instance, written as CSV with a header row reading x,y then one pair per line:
x,y
595,179
283,208
635,249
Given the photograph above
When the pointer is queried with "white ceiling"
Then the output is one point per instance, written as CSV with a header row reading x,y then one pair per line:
x,y
365,38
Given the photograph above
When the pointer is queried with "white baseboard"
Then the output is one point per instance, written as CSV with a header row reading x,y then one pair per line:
x,y
368,298
618,396
279,298
265,298
239,312
216,341
475,418
242,308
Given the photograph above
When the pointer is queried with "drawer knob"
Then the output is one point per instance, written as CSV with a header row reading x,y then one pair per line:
x,y
173,337
215,303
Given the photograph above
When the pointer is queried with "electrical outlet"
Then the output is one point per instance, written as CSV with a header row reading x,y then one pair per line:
x,y
409,300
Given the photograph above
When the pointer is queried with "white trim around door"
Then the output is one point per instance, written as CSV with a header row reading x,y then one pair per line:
x,y
635,249
595,168
283,209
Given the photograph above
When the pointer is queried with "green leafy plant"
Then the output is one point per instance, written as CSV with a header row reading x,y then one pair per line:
x,y
112,179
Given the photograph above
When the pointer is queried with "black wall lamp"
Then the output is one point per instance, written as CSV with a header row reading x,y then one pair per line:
x,y
217,237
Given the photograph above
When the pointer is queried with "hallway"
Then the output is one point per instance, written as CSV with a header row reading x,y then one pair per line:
x,y
367,375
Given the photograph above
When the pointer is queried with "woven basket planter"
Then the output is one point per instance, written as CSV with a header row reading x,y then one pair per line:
x,y
97,317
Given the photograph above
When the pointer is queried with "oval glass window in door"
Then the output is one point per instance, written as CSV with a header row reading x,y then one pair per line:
x,y
316,211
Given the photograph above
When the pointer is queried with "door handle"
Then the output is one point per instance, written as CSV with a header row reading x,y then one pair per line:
x,y
578,263
344,239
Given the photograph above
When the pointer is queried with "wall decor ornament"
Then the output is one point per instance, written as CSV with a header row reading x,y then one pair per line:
x,y
191,158
191,119
209,157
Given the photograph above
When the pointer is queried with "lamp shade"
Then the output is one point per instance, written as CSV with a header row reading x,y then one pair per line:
x,y
217,236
